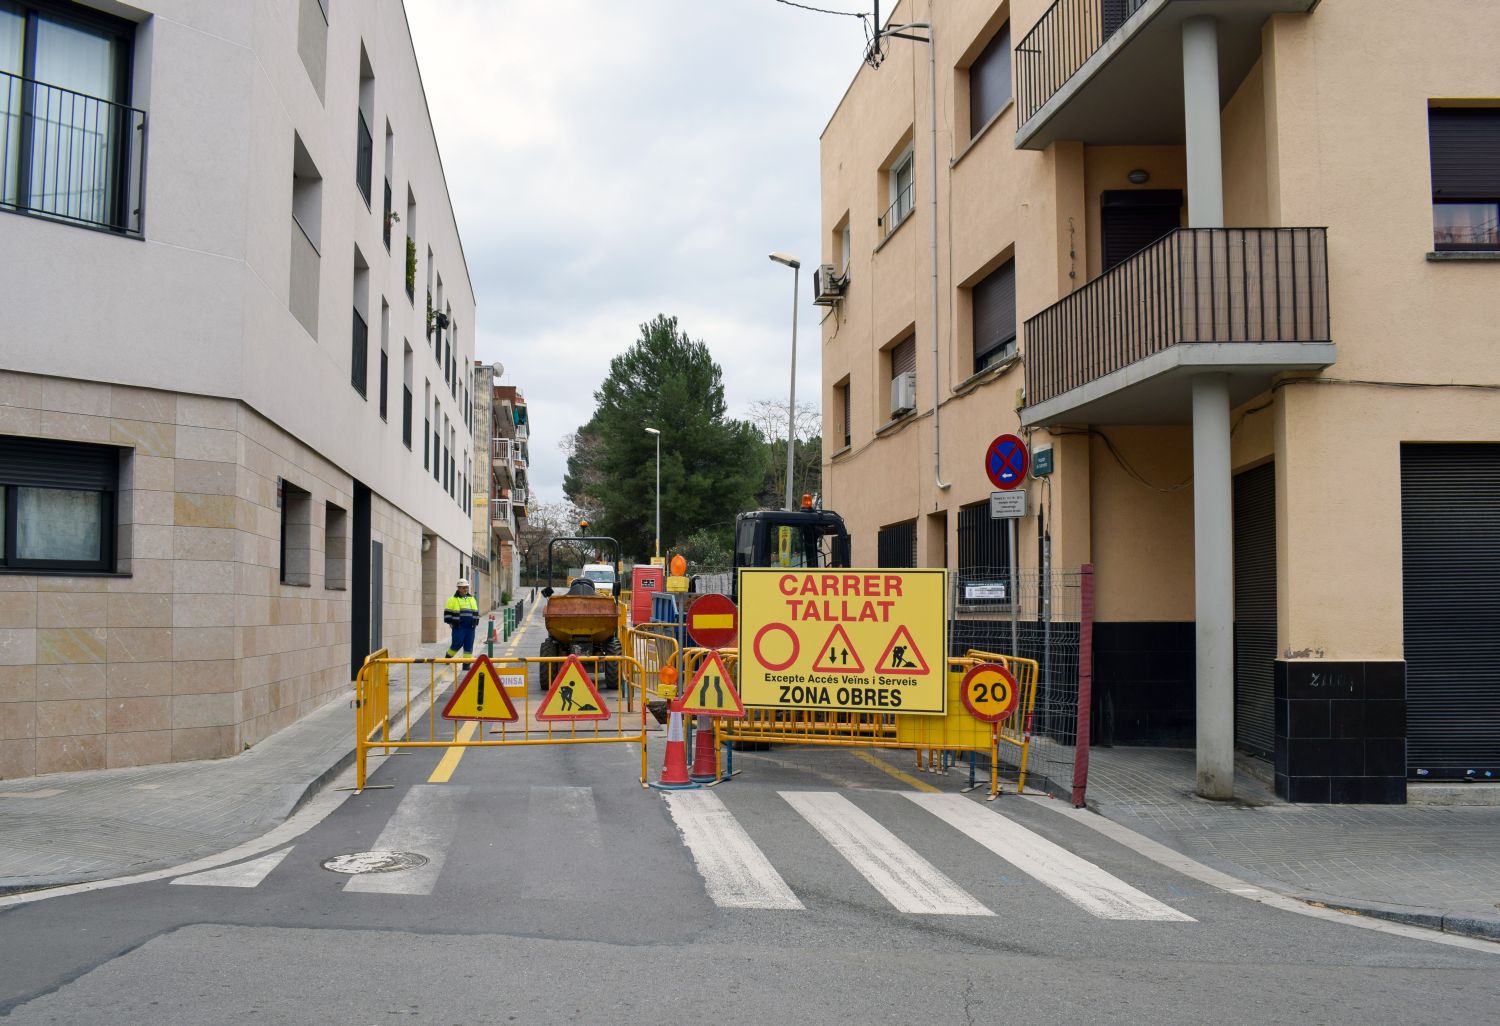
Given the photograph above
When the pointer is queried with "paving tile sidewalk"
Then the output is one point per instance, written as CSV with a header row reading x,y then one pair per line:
x,y
71,827
1436,866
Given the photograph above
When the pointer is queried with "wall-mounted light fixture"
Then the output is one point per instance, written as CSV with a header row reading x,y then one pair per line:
x,y
1139,176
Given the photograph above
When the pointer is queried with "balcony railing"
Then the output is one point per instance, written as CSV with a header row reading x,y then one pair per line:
x,y
1234,285
364,158
500,512
897,213
1058,45
70,156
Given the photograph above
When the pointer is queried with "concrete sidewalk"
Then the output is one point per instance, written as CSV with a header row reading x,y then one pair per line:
x,y
1432,866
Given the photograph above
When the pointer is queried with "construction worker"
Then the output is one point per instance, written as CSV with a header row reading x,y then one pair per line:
x,y
462,614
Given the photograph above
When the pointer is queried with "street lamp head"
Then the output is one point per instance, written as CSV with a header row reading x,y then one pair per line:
x,y
790,261
652,431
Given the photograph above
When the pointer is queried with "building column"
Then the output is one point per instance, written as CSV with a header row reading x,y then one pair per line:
x,y
1200,100
1213,581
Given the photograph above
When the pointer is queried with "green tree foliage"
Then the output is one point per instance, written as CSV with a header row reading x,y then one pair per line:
x,y
711,466
769,418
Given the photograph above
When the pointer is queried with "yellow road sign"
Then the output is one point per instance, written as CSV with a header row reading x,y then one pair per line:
x,y
843,640
572,696
480,696
989,692
712,692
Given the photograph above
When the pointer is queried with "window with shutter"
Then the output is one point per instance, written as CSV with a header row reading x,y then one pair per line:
x,y
989,81
57,504
1465,144
904,356
994,300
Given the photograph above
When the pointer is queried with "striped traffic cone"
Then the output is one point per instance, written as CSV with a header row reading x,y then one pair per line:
x,y
705,766
674,771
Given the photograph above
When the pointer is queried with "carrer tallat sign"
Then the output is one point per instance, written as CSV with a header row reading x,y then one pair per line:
x,y
843,640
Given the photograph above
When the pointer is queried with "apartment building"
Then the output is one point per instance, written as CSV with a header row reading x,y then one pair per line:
x,y
1234,263
233,419
501,433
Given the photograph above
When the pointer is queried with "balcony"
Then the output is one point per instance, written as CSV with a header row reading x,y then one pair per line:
x,y
1110,72
70,156
502,521
1247,302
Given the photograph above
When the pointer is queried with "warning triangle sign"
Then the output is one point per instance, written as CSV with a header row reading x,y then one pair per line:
x,y
712,692
572,696
480,696
838,655
901,656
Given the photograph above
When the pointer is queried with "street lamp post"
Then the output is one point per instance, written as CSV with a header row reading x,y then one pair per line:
x,y
791,408
657,433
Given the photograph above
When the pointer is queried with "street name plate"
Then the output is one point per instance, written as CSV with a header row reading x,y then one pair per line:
x,y
1007,505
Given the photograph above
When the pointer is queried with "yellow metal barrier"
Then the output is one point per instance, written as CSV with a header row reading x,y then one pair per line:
x,y
653,649
372,709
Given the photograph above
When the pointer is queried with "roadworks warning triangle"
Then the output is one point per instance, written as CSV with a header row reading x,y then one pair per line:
x,y
838,655
572,696
908,661
712,692
480,696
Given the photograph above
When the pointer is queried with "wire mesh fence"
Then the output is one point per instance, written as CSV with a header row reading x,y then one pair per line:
x,y
1034,615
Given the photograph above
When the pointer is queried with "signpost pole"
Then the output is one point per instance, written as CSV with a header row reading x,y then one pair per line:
x,y
1015,592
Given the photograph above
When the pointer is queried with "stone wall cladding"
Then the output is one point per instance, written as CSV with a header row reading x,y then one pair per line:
x,y
200,651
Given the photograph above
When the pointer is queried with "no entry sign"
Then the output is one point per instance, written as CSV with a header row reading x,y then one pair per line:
x,y
713,621
1005,462
845,640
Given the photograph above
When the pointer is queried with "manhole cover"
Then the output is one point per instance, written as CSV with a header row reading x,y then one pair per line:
x,y
375,862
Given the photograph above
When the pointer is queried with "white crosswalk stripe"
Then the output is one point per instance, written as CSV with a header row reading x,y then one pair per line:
x,y
244,874
1077,879
735,871
424,822
906,879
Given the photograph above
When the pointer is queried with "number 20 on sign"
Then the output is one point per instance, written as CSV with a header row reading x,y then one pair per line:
x,y
989,692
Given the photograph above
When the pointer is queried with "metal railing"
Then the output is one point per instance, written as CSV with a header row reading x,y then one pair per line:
x,y
1193,285
500,511
1061,41
364,158
359,357
900,209
70,156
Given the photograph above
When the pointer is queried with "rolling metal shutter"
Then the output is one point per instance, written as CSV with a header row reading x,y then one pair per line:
x,y
1465,152
1450,561
1132,219
989,80
1255,608
994,311
904,356
44,463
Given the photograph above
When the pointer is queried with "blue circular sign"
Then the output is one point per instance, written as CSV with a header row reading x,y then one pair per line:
x,y
1006,462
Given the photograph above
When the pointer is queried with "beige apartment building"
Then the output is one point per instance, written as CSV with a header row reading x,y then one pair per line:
x,y
502,431
234,409
1235,263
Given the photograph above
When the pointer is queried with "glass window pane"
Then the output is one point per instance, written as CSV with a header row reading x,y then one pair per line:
x,y
58,524
12,28
74,155
1466,224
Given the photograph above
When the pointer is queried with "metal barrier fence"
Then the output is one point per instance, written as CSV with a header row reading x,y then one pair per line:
x,y
1043,624
375,728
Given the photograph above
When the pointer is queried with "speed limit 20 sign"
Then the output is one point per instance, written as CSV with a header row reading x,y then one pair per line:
x,y
990,693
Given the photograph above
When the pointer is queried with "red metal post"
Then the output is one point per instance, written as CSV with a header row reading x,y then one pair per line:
x,y
1085,685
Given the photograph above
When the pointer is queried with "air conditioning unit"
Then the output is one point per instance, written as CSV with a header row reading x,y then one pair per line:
x,y
903,393
828,285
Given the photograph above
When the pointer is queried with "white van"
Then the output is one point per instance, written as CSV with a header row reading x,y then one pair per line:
x,y
603,576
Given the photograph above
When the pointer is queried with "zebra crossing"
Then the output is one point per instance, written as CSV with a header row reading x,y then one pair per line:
x,y
736,871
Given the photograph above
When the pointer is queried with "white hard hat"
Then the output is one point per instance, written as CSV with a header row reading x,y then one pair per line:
x,y
463,582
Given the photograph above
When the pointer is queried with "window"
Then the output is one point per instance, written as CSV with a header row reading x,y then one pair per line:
x,y
364,139
427,436
359,359
437,443
296,534
406,370
312,41
900,179
994,300
1465,178
69,144
307,218
841,408
389,215
983,557
411,246
385,357
896,546
904,356
335,547
989,81
844,246
57,505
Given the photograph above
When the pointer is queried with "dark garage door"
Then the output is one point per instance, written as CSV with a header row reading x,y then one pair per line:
x,y
1254,608
1450,560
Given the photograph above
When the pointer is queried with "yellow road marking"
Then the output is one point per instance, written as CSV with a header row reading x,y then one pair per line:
x,y
905,778
449,762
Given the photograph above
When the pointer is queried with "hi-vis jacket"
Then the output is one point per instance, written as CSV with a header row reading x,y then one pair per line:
x,y
461,610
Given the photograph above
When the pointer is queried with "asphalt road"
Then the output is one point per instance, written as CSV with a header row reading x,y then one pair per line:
x,y
815,887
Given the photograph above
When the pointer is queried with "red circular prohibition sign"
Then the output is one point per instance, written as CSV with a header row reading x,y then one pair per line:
x,y
796,646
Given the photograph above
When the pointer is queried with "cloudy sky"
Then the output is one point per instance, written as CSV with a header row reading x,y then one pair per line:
x,y
610,161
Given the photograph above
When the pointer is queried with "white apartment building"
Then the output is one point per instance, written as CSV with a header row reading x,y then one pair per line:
x,y
234,418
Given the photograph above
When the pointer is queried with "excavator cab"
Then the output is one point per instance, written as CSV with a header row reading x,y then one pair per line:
x,y
805,538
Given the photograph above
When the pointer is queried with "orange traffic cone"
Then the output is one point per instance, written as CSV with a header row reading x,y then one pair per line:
x,y
674,771
705,766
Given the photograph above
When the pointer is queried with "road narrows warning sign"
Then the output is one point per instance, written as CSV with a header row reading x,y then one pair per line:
x,y
480,696
572,696
712,692
843,640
